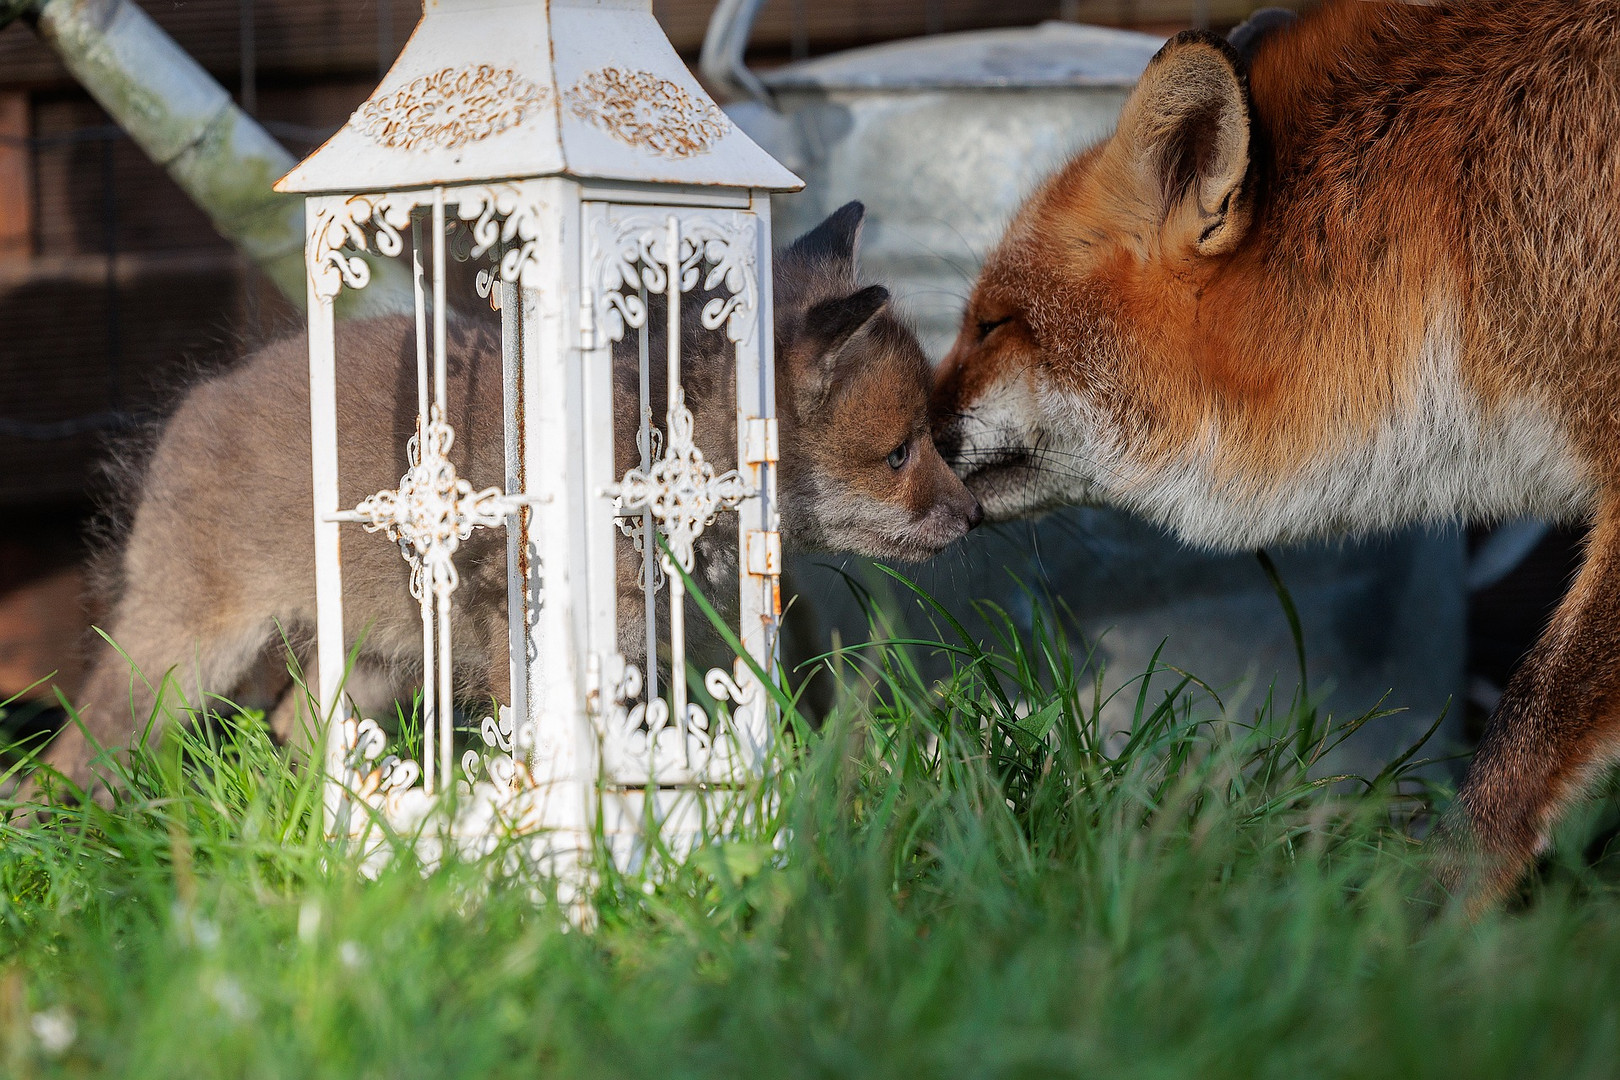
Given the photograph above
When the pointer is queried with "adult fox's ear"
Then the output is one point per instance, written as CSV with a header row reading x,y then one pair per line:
x,y
830,327
835,243
1183,145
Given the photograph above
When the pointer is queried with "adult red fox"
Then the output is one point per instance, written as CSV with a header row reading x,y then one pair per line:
x,y
1370,278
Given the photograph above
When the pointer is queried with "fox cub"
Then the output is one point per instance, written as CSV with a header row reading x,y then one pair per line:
x,y
220,551
1369,278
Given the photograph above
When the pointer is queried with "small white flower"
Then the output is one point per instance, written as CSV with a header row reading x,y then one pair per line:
x,y
55,1030
309,922
229,996
205,933
195,929
351,955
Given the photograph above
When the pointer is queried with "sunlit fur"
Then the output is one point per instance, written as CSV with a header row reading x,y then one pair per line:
x,y
845,405
1368,281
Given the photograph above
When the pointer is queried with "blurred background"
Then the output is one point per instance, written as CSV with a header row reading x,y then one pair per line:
x,y
113,286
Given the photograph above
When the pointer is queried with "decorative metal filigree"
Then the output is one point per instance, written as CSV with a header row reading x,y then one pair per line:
x,y
385,785
361,223
650,113
641,736
681,489
508,216
450,108
632,257
489,812
741,689
433,510
650,444
497,217
484,285
638,736
508,768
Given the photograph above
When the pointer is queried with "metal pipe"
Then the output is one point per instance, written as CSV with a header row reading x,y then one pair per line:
x,y
724,45
187,124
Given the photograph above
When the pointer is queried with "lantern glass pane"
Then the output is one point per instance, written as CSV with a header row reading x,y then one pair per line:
x,y
687,440
422,404
679,293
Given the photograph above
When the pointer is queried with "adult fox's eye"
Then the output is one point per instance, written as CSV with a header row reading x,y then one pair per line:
x,y
899,455
988,326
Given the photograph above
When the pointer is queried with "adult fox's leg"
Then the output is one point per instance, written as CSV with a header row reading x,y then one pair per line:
x,y
1557,727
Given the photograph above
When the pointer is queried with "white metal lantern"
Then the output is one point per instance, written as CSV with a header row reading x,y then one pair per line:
x,y
566,143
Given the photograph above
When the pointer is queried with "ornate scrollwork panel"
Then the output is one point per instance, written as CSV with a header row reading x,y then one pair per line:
x,y
716,252
681,489
506,215
650,113
450,108
433,510
638,735
502,218
509,747
386,784
509,802
641,738
360,223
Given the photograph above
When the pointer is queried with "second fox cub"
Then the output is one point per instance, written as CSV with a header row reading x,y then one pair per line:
x,y
1371,278
200,602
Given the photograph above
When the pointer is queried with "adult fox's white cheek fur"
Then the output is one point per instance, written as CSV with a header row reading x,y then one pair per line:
x,y
1023,449
1369,276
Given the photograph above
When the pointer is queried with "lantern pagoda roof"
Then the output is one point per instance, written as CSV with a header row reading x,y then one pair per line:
x,y
504,89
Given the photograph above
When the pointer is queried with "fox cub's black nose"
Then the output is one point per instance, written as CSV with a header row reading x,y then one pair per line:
x,y
975,515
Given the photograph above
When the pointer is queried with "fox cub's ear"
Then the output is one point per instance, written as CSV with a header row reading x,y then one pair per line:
x,y
835,242
1183,143
829,328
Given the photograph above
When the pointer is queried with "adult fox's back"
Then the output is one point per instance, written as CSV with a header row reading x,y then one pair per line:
x,y
1368,279
1464,157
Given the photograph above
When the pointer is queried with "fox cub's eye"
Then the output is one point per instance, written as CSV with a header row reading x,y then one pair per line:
x,y
899,455
988,326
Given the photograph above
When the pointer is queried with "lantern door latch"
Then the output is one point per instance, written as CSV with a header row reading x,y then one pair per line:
x,y
764,553
762,443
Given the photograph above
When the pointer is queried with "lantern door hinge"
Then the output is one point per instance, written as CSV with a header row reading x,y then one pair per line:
x,y
764,553
762,442
587,323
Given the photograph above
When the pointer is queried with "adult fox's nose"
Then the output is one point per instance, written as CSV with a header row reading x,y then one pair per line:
x,y
975,515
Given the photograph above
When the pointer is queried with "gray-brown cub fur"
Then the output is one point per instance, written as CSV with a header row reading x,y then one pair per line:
x,y
220,552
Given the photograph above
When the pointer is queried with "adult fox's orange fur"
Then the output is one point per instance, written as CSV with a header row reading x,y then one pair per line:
x,y
1372,279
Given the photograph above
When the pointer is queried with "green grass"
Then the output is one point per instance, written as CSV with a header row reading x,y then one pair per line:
x,y
971,879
